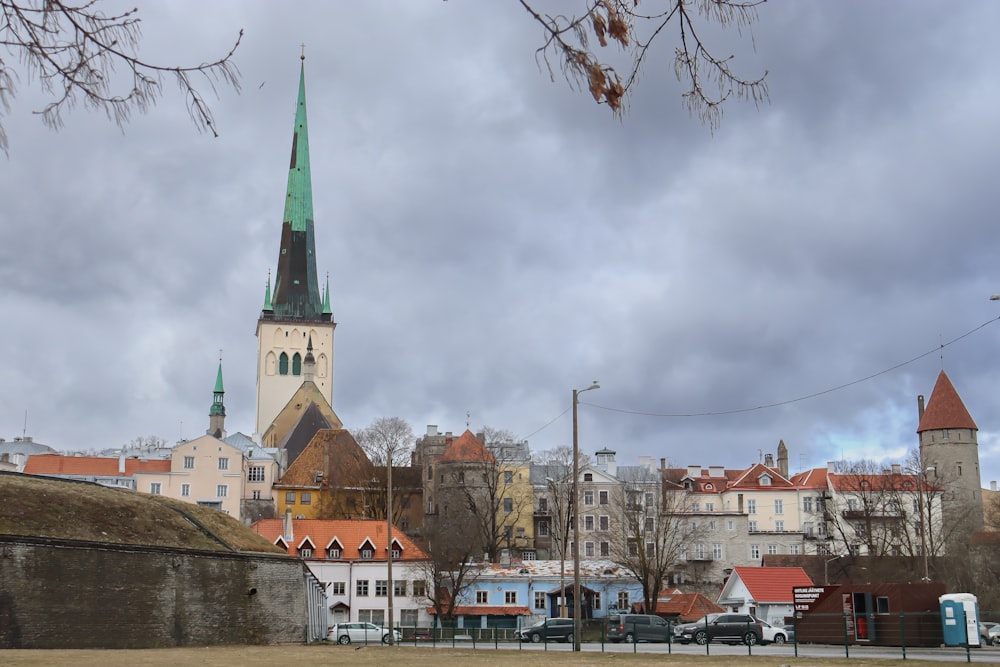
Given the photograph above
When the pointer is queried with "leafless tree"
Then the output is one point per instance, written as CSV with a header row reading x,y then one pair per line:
x,y
451,569
389,440
496,497
651,533
634,26
73,50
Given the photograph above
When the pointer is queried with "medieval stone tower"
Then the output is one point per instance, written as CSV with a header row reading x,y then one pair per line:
x,y
295,313
949,453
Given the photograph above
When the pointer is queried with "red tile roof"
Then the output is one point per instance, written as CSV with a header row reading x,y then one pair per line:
x,y
811,479
945,409
351,534
466,447
685,606
57,464
772,584
750,478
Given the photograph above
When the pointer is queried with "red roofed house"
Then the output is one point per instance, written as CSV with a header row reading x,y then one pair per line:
x,y
350,558
117,472
683,607
764,592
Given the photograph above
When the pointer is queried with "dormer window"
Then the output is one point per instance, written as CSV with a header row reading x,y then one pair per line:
x,y
334,552
306,552
367,554
709,487
765,480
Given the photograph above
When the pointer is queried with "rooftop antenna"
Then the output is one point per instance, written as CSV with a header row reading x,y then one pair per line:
x,y
468,419
24,430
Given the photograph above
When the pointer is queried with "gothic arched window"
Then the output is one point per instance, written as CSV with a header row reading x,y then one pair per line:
x,y
283,364
297,364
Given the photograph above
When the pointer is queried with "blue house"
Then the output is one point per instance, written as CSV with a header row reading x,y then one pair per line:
x,y
516,595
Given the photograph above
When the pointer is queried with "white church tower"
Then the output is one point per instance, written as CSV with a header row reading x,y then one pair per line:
x,y
294,314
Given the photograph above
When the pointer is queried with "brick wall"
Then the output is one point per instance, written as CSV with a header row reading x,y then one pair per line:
x,y
71,594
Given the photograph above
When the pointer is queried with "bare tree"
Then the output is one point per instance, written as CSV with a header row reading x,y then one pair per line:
x,y
73,50
652,531
633,28
389,441
451,568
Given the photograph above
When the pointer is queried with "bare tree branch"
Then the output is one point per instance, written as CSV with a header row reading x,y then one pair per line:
x,y
73,50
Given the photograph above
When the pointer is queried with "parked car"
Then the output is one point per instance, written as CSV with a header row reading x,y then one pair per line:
x,y
638,628
551,629
346,633
723,627
989,633
789,632
772,634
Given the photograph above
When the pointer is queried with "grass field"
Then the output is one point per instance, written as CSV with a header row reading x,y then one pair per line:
x,y
377,656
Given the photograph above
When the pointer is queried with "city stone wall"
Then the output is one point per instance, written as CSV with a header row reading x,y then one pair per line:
x,y
73,594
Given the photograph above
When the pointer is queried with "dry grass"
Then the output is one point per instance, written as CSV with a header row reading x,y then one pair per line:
x,y
57,508
378,656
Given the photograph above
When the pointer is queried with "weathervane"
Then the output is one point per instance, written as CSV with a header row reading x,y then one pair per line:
x,y
303,56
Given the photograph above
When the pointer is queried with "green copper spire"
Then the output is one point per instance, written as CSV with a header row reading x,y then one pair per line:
x,y
326,298
267,294
218,408
296,287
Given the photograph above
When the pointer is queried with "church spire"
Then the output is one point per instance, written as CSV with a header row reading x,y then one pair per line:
x,y
296,287
217,413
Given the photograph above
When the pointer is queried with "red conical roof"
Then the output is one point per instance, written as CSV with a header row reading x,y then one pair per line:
x,y
945,408
466,447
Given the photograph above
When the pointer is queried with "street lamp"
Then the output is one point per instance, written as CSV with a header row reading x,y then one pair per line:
x,y
576,516
826,569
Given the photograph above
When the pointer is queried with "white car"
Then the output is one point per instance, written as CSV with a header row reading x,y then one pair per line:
x,y
362,633
772,634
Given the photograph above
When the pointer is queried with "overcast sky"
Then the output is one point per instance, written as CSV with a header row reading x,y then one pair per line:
x,y
495,239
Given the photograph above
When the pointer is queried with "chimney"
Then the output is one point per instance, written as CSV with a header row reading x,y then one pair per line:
x,y
432,429
920,407
694,471
897,469
716,471
121,464
287,529
831,466
663,463
993,485
769,460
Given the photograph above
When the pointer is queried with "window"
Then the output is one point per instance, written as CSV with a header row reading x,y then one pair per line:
x,y
306,552
605,523
154,488
779,526
730,524
807,504
430,473
543,505
751,506
709,507
188,462
588,477
255,494
752,526
852,504
510,597
221,491
588,497
399,587
588,523
713,525
461,477
633,549
528,555
419,588
540,599
699,551
649,524
716,551
881,605
543,528
602,497
297,364
362,588
597,600
338,588
650,550
588,549
289,497
283,364
508,505
307,498
605,549
376,616
334,552
507,532
482,597
223,463
793,549
772,549
754,552
408,617
779,506
649,500
695,507
367,554
765,480
396,553
508,477
623,602
255,474
381,588
185,490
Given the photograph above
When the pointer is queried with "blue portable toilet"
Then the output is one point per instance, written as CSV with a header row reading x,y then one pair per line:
x,y
959,619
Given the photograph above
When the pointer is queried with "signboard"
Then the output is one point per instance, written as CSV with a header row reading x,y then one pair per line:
x,y
804,597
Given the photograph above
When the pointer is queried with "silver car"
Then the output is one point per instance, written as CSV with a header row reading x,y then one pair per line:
x,y
361,633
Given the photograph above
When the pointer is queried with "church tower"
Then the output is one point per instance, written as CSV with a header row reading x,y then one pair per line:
x,y
949,453
217,413
295,314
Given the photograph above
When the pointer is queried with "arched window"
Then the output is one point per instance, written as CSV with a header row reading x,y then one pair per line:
x,y
283,364
297,364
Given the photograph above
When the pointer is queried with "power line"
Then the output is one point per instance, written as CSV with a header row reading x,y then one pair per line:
x,y
777,404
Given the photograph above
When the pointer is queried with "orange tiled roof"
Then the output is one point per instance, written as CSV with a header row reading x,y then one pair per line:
x,y
467,448
772,584
99,466
350,533
811,479
336,455
750,478
685,606
945,408
877,482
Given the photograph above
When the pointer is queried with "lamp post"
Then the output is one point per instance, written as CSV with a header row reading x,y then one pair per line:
x,y
576,518
923,519
826,569
388,533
